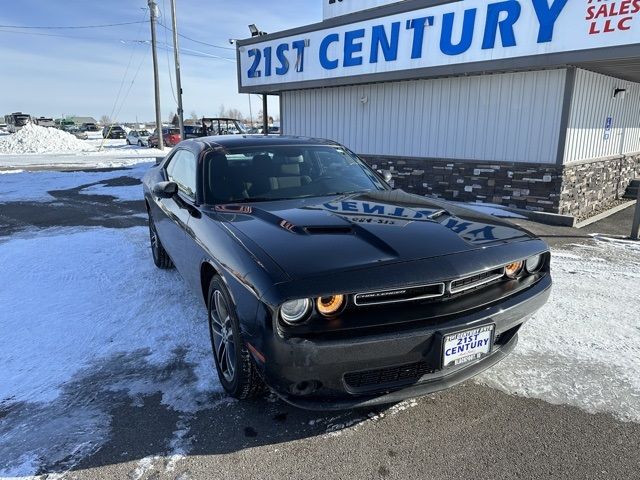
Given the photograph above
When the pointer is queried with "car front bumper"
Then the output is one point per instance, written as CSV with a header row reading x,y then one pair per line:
x,y
318,374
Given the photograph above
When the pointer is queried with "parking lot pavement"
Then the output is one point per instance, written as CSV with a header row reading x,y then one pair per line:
x,y
467,432
106,370
618,225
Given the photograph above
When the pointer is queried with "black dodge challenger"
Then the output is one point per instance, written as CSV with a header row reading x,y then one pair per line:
x,y
327,285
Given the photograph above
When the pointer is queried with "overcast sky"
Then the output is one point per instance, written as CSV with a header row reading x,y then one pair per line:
x,y
80,72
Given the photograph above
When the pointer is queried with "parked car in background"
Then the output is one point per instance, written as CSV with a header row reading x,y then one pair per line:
x,y
138,137
76,132
327,285
89,127
63,123
45,122
113,131
15,121
170,137
192,131
222,126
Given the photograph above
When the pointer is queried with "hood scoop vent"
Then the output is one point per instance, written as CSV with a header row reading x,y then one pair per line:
x,y
329,230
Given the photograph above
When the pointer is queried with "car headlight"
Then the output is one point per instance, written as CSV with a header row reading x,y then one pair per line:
x,y
331,305
534,264
295,311
513,269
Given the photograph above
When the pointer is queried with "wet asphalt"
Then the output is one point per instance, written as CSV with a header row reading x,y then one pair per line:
x,y
467,432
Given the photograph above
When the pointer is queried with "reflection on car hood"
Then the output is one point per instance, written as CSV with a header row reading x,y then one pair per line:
x,y
316,236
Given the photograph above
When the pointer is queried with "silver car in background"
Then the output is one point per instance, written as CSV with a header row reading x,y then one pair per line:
x,y
138,137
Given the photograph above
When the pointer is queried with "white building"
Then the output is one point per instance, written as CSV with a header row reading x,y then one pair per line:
x,y
534,104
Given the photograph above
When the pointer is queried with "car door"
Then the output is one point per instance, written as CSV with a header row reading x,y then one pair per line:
x,y
176,211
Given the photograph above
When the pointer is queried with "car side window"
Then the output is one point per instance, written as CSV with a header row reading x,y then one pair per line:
x,y
182,171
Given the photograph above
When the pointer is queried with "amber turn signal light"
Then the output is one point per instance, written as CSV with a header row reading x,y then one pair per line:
x,y
328,306
513,269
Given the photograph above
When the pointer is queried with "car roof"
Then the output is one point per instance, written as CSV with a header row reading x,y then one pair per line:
x,y
236,141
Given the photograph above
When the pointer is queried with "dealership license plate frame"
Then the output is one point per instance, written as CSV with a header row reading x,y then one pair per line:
x,y
446,338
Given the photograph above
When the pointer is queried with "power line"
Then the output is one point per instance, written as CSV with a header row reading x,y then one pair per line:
x,y
47,35
71,27
197,41
126,72
185,51
57,35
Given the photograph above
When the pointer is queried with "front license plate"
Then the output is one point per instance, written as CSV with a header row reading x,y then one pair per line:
x,y
467,346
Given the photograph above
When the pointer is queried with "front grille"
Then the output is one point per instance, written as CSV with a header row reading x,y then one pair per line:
x,y
475,281
387,376
429,292
406,294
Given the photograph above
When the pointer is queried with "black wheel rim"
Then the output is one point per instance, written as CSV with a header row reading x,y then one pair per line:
x,y
222,336
153,236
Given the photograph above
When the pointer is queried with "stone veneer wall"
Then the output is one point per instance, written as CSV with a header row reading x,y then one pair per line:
x,y
526,186
590,185
575,189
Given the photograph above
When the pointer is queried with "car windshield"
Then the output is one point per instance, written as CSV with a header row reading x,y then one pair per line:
x,y
21,120
285,172
144,133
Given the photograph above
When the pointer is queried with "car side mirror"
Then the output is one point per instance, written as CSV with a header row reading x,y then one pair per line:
x,y
165,189
386,174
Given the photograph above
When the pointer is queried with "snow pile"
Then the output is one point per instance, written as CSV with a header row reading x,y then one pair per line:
x,y
36,139
583,347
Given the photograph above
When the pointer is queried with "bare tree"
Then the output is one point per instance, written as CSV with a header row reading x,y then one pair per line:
x,y
171,116
194,116
105,120
234,113
222,111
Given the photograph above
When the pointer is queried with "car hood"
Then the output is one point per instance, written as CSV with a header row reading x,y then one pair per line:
x,y
308,237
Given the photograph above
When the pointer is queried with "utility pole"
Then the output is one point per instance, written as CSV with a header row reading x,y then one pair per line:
x,y
176,55
635,229
154,14
265,115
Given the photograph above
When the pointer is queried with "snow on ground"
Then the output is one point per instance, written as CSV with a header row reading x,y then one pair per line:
x,y
34,186
82,326
121,194
583,347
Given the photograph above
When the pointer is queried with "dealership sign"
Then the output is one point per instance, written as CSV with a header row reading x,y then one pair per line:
x,y
449,34
335,8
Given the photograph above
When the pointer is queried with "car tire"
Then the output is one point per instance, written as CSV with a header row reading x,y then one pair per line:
x,y
236,368
160,256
